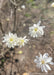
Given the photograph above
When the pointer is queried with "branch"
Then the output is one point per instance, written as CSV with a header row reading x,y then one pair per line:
x,y
13,3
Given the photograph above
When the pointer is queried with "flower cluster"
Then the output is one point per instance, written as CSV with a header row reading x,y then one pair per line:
x,y
35,31
12,40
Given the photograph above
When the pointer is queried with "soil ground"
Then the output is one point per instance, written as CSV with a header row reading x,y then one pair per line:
x,y
24,19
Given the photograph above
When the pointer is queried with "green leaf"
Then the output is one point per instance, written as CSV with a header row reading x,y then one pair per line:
x,y
30,1
52,32
35,6
27,15
2,60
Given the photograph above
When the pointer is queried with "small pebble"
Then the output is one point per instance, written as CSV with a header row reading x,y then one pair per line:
x,y
34,46
20,52
25,73
24,25
19,9
7,19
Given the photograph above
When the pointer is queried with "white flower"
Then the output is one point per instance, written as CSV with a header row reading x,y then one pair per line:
x,y
52,5
10,40
23,6
22,41
36,30
43,61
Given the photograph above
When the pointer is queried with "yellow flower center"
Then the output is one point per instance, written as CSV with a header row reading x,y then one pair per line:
x,y
11,39
43,62
22,41
35,29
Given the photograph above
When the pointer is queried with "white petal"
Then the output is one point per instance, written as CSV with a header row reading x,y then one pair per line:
x,y
43,26
3,41
38,33
10,33
40,56
35,60
48,67
25,37
39,23
37,57
45,69
52,5
34,25
42,68
45,55
41,31
48,60
51,63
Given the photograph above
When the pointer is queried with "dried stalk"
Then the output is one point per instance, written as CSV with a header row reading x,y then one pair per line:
x,y
15,8
13,3
1,28
43,9
14,19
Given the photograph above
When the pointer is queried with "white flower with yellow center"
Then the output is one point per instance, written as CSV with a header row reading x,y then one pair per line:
x,y
22,41
36,30
52,5
43,61
10,40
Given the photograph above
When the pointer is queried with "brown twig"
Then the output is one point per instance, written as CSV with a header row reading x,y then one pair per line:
x,y
1,28
14,19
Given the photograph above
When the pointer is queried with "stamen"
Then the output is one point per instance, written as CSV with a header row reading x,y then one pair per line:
x,y
35,29
11,39
43,62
